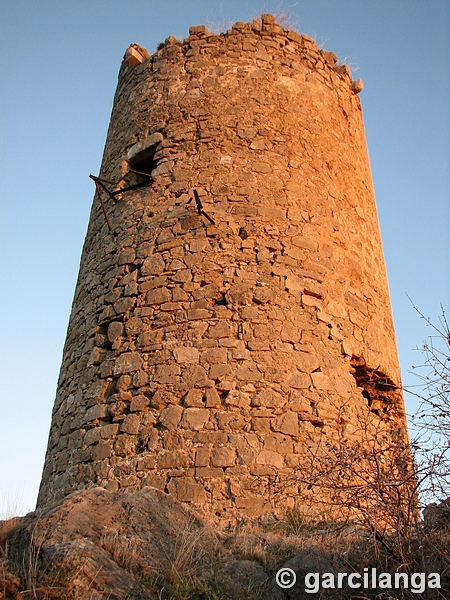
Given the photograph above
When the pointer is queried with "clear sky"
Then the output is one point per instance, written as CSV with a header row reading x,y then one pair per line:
x,y
59,66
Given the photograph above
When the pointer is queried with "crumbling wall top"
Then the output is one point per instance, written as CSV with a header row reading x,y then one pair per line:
x,y
264,29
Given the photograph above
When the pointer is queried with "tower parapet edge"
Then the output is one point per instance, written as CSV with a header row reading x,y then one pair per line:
x,y
233,312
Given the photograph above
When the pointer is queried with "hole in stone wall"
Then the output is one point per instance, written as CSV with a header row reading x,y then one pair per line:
x,y
145,166
141,163
144,161
377,388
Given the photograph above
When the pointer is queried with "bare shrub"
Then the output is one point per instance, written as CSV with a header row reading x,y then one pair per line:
x,y
431,421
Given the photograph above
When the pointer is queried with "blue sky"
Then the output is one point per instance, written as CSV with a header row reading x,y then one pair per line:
x,y
59,62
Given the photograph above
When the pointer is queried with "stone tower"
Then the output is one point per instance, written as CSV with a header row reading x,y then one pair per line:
x,y
232,305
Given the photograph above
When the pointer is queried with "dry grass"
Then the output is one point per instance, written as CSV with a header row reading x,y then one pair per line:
x,y
283,16
193,568
129,553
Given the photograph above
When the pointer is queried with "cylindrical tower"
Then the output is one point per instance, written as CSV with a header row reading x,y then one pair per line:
x,y
232,309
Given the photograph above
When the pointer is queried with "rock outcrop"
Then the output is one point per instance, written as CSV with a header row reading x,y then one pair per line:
x,y
98,544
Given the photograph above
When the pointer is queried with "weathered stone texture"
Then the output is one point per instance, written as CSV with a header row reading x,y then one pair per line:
x,y
207,356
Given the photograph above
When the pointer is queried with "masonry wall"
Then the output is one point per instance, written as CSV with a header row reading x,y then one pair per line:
x,y
210,359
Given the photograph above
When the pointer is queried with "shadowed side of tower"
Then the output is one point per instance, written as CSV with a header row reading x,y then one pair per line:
x,y
234,309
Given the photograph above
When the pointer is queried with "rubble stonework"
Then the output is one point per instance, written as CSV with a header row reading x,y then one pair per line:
x,y
208,352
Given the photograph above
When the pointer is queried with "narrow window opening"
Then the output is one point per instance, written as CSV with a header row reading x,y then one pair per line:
x,y
141,167
144,161
141,159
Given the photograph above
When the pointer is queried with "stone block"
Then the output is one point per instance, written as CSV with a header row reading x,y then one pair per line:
x,y
148,338
343,70
125,445
99,411
238,398
298,380
128,362
152,283
263,471
270,458
198,245
219,370
187,490
170,417
212,398
355,302
357,86
179,295
230,421
336,309
123,383
133,57
330,57
286,423
136,54
153,265
214,356
202,456
221,330
186,354
294,284
130,424
140,379
208,472
194,314
194,398
195,418
96,391
276,442
198,30
271,213
211,437
158,296
109,431
92,436
248,371
223,457
250,506
123,305
173,459
240,293
101,450
268,398
139,403
295,253
174,440
61,462
146,463
261,425
321,381
299,404
182,276
305,362
294,36
348,347
257,24
167,373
